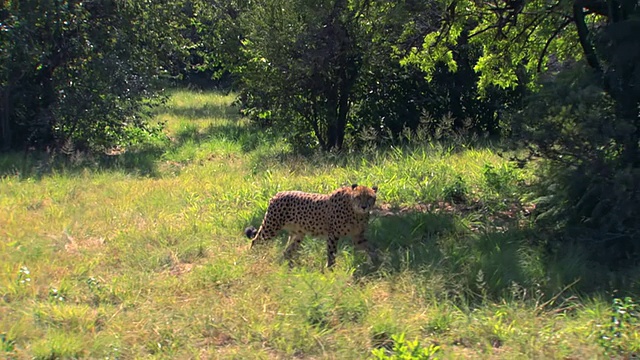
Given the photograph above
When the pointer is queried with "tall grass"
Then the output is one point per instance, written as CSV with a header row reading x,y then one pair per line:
x,y
143,255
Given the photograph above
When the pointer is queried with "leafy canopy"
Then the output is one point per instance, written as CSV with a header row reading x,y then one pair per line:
x,y
518,38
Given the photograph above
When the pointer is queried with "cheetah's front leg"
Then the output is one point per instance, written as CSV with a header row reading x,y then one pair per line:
x,y
361,243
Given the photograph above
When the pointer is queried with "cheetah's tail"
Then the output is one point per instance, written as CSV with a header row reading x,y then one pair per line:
x,y
250,232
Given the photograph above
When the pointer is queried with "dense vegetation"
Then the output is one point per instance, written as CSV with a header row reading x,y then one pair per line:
x,y
352,86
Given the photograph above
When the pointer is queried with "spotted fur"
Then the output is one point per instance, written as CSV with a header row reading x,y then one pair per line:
x,y
344,212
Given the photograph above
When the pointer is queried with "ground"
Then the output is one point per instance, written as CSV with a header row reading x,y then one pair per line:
x,y
142,254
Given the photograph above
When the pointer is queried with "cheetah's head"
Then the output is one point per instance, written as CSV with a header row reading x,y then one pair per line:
x,y
363,198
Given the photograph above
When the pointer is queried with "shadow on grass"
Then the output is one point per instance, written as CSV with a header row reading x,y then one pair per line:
x,y
483,262
472,257
206,111
448,257
38,163
143,159
246,135
359,157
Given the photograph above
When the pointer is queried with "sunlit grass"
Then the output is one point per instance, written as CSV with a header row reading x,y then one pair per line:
x,y
112,262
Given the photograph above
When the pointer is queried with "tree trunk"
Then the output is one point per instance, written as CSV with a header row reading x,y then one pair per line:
x,y
348,69
348,76
332,118
627,112
5,114
583,35
314,118
341,123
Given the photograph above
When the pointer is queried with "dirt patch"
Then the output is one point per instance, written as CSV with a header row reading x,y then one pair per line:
x,y
74,246
178,267
511,213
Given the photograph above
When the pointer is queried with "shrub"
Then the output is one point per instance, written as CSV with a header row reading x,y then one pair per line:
x,y
587,187
405,349
82,72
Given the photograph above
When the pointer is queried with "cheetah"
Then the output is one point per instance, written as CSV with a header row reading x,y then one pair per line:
x,y
344,212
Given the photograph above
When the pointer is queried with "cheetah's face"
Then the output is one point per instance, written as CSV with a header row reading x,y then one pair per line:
x,y
363,199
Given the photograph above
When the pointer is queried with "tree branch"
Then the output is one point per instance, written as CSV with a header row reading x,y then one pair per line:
x,y
479,32
530,26
583,34
553,36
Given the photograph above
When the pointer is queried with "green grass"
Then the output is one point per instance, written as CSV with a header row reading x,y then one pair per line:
x,y
143,256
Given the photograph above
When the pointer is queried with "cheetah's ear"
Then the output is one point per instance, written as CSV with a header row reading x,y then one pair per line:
x,y
354,186
375,189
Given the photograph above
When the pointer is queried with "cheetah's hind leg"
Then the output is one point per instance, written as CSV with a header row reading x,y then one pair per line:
x,y
292,249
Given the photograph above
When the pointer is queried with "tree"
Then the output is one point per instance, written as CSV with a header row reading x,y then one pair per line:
x,y
521,39
401,95
213,33
303,59
326,71
585,119
82,71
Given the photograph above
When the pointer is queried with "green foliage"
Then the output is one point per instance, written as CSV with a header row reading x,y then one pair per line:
x,y
584,120
6,344
328,72
390,97
406,350
586,187
302,61
58,345
503,179
440,323
213,30
515,39
621,337
456,191
82,74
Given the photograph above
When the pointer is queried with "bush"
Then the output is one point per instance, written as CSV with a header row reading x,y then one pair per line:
x,y
587,188
82,72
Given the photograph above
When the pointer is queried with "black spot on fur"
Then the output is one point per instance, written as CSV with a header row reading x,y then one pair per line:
x,y
250,232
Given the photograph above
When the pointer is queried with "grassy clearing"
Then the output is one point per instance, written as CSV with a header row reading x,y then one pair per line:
x,y
142,255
